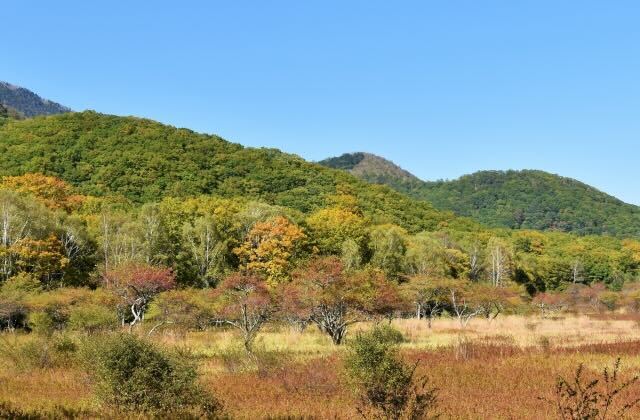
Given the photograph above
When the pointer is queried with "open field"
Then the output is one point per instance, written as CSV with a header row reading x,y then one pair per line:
x,y
497,369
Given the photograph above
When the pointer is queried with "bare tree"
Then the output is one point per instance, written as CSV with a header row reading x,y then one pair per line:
x,y
475,264
120,240
150,224
208,248
14,226
463,310
499,257
577,271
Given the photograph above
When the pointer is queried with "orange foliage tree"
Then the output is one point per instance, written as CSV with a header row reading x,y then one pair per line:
x,y
50,191
269,248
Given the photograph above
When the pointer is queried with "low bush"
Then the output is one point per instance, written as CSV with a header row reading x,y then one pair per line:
x,y
385,333
13,314
387,387
41,322
135,375
13,309
92,318
22,283
8,411
37,352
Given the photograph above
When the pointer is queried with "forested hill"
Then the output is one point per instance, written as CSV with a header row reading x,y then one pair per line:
x,y
28,103
513,199
534,200
371,168
144,161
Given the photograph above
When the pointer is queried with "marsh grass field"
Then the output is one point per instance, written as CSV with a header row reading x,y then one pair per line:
x,y
505,369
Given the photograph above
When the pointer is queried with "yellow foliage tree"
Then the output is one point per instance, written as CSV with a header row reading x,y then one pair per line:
x,y
333,226
269,248
50,191
44,259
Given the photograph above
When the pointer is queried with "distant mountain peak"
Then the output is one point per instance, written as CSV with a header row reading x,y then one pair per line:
x,y
28,103
370,167
8,85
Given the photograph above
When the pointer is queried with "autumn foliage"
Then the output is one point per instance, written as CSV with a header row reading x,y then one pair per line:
x,y
244,301
50,191
137,285
270,246
323,293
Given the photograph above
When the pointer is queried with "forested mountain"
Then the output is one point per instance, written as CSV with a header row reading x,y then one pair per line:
x,y
534,200
28,103
145,161
513,199
371,168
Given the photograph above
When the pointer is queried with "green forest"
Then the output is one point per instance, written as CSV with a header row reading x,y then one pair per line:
x,y
133,190
527,199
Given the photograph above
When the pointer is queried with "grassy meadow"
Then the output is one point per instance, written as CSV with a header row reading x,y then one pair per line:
x,y
504,368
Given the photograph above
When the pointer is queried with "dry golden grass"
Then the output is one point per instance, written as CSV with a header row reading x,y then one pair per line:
x,y
496,369
521,331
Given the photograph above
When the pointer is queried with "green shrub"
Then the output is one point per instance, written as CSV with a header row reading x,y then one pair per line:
x,y
22,283
38,352
64,345
41,323
387,387
133,374
385,333
92,318
610,300
57,305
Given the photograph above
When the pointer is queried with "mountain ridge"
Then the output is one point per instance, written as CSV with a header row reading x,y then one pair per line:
x,y
369,166
517,199
27,102
144,160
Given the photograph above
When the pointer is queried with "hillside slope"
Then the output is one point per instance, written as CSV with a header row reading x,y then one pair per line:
x,y
371,168
534,200
27,102
145,160
514,199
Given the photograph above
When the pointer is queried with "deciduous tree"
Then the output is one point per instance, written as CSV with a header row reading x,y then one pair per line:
x,y
244,301
324,294
137,285
270,247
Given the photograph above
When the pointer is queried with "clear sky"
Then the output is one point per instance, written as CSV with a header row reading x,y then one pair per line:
x,y
442,88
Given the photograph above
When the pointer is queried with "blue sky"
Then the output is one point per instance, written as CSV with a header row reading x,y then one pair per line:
x,y
442,88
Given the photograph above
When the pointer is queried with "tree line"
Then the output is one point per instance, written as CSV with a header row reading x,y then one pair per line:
x,y
71,259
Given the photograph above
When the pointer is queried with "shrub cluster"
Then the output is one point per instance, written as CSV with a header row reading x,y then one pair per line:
x,y
135,375
387,387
